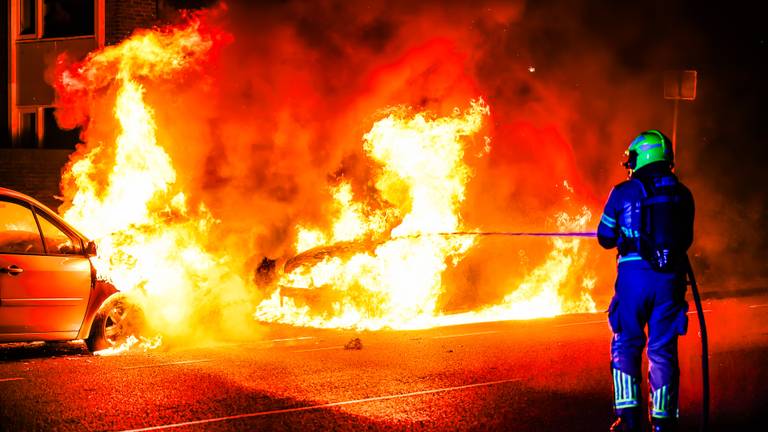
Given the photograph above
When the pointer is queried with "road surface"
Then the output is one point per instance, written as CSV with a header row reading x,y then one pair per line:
x,y
538,375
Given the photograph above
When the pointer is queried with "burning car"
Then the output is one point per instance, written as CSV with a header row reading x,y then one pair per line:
x,y
48,285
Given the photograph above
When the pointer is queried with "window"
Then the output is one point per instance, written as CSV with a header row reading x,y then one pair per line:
x,y
67,18
57,242
18,230
27,17
28,129
56,137
41,30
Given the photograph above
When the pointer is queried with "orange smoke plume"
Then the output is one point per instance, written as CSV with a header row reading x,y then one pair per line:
x,y
207,154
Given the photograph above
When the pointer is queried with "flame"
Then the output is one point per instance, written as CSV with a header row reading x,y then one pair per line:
x,y
124,194
540,293
397,284
132,343
378,264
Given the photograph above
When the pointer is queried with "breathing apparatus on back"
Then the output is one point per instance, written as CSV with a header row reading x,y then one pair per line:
x,y
659,240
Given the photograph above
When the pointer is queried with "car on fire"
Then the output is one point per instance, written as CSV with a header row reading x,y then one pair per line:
x,y
48,285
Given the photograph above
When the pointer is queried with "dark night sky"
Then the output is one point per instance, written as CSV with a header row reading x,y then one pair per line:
x,y
723,134
728,45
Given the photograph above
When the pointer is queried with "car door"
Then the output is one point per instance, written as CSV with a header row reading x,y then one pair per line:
x,y
45,278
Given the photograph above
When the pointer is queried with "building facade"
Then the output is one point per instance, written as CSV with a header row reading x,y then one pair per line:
x,y
34,149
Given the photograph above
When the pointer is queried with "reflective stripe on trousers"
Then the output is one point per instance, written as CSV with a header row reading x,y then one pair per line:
x,y
626,390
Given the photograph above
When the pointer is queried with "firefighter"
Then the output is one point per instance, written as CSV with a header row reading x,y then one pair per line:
x,y
649,219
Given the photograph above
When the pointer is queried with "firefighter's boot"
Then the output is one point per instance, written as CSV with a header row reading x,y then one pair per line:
x,y
663,424
628,421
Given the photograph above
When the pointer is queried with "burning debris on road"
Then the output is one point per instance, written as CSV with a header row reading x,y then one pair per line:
x,y
354,344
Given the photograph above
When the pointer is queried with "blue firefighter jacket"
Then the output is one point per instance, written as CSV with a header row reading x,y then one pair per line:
x,y
620,223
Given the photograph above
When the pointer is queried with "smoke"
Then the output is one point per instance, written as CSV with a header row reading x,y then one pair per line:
x,y
261,134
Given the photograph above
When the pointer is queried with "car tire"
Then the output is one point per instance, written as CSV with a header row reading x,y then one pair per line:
x,y
117,319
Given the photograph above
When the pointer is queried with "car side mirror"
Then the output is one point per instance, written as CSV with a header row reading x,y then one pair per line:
x,y
90,248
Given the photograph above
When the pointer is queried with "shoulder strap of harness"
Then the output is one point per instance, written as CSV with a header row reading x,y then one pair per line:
x,y
642,186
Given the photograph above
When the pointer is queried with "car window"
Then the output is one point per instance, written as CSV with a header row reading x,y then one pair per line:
x,y
57,242
18,230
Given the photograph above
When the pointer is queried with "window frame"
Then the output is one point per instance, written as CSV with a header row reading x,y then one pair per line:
x,y
30,109
44,132
52,220
98,14
17,21
68,232
15,38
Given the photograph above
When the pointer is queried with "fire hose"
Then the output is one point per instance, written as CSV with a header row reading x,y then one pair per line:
x,y
694,291
505,233
704,347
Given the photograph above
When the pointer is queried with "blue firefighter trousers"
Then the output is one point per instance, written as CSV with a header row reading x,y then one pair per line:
x,y
647,297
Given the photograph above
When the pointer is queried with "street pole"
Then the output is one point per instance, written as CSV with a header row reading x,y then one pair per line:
x,y
682,85
674,126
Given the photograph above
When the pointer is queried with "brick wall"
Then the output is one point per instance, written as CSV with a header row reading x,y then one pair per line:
x,y
33,172
123,16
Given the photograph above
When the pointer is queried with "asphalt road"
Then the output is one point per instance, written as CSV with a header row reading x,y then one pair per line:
x,y
539,375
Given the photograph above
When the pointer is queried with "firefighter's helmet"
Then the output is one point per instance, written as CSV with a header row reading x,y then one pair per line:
x,y
650,146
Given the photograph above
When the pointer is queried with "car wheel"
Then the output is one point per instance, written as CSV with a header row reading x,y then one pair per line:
x,y
117,319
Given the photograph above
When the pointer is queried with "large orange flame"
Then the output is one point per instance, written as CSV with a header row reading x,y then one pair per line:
x,y
150,242
398,282
380,264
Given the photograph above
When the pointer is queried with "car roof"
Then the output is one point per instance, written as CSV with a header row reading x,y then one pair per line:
x,y
20,196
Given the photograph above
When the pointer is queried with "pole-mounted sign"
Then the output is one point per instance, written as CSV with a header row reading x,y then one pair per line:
x,y
679,85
